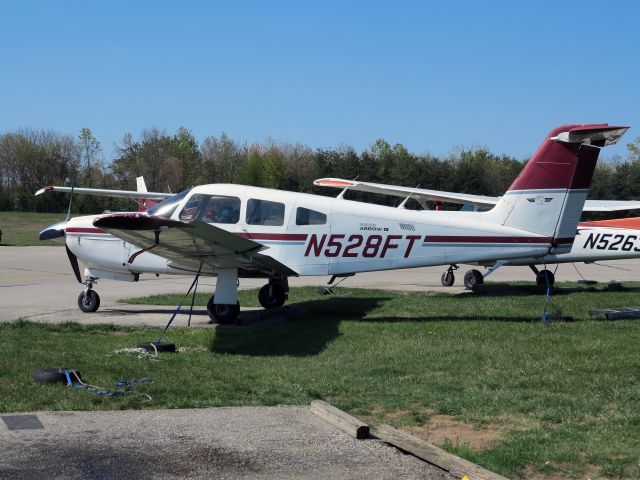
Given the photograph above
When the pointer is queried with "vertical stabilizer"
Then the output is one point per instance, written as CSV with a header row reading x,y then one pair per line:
x,y
548,196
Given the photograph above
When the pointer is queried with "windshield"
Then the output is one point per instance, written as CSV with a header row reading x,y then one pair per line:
x,y
166,207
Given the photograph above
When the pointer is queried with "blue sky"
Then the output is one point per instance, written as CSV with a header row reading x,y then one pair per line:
x,y
429,75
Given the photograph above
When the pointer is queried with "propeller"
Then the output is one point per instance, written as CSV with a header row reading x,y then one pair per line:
x,y
56,232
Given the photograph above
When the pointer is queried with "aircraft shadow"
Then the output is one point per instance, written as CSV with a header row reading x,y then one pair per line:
x,y
307,333
505,289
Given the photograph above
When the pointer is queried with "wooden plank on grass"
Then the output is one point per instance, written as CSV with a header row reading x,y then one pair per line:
x,y
616,313
455,465
340,419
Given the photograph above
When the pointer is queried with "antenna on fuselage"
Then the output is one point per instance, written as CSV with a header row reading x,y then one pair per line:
x,y
341,194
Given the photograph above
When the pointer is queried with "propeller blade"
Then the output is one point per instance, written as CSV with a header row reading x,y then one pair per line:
x,y
74,264
53,232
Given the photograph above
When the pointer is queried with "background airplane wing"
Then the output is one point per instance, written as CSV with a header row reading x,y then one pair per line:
x,y
462,198
610,205
417,193
190,244
106,193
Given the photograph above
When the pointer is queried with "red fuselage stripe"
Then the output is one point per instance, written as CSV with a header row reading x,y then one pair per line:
x,y
84,230
273,236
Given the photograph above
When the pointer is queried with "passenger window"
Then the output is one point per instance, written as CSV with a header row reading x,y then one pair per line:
x,y
304,216
211,209
264,212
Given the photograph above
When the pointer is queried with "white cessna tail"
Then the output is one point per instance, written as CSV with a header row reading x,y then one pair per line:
x,y
233,231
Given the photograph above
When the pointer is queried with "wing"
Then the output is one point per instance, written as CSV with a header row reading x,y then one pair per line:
x,y
610,205
417,193
462,198
106,193
190,244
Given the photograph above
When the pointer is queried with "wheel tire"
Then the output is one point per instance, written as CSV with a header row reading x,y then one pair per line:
x,y
89,304
277,298
472,279
447,278
543,276
222,313
158,347
54,375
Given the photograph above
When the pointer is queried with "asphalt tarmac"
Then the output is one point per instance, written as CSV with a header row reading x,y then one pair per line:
x,y
36,283
220,443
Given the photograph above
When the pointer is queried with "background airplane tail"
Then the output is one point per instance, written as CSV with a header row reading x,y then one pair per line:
x,y
144,204
548,196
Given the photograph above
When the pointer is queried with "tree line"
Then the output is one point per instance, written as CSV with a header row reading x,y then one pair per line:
x,y
30,159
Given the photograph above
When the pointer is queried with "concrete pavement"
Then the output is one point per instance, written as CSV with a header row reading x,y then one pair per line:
x,y
37,283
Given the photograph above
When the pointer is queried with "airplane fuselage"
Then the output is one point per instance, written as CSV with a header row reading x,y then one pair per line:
x,y
332,236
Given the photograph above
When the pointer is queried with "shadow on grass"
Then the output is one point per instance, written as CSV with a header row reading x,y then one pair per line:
x,y
503,289
307,333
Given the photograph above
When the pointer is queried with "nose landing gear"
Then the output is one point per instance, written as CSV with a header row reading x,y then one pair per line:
x,y
89,300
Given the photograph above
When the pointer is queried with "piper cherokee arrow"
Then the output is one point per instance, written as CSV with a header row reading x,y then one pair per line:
x,y
233,231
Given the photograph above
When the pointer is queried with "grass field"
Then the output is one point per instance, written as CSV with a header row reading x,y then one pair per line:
x,y
560,400
22,228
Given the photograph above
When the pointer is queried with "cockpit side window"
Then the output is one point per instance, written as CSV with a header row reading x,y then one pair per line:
x,y
264,212
211,209
306,216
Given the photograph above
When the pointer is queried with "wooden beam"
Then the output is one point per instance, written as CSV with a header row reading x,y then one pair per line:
x,y
457,466
340,419
616,313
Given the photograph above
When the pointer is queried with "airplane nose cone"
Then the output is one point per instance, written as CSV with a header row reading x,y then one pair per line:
x,y
53,232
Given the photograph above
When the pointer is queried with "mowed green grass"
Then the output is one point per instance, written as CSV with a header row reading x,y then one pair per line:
x,y
566,396
22,228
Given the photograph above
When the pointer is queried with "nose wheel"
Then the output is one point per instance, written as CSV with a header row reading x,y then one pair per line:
x,y
89,301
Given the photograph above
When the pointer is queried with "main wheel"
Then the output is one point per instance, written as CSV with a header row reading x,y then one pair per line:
x,y
545,276
472,279
89,301
447,278
222,313
272,296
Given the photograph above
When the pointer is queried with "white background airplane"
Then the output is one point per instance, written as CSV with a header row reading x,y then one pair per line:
x,y
233,231
616,239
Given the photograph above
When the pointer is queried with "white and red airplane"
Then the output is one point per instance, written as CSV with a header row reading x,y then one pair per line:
x,y
233,231
615,239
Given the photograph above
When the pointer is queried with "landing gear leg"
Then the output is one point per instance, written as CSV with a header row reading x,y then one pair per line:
x,y
89,300
223,307
448,277
274,293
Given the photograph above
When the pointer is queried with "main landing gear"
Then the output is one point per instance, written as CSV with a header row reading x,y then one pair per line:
x,y
272,295
472,278
543,277
223,307
89,300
